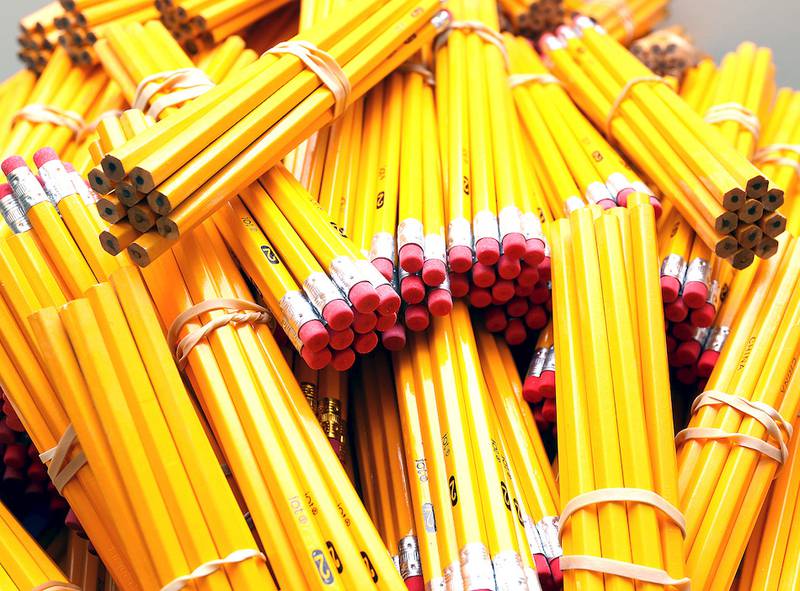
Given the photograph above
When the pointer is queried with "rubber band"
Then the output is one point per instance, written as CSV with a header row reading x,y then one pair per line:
x,y
37,113
737,113
56,586
324,66
190,82
519,79
420,69
246,313
627,570
481,30
770,418
626,90
771,155
59,470
209,568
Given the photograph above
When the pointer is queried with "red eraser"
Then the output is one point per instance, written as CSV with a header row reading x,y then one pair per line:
x,y
460,259
670,288
517,307
548,305
622,197
545,269
514,245
11,164
483,275
695,294
657,207
417,318
43,156
480,297
364,297
5,190
677,311
343,360
537,416
314,335
523,291
528,275
687,353
385,267
440,302
459,284
411,258
682,331
672,344
16,456
341,339
389,299
548,384
540,294
706,363
434,272
316,359
338,314
555,570
687,375
542,567
495,319
508,267
412,289
549,410
503,290
607,203
536,317
365,343
415,583
704,315
487,250
385,322
516,333
394,339
534,251
364,322
530,390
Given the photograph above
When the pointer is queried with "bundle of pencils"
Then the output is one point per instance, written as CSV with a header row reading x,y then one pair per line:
x,y
539,386
625,20
533,17
617,464
667,52
720,193
38,36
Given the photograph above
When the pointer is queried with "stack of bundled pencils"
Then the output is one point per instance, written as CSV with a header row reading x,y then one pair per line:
x,y
625,20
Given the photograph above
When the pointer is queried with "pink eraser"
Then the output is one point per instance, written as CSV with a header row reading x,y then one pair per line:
x,y
480,297
514,245
516,333
11,164
364,322
365,343
548,384
555,569
5,190
487,250
677,311
657,207
695,294
528,275
417,318
411,258
549,410
440,302
316,359
706,363
622,197
540,294
503,290
483,275
542,567
389,299
607,203
523,291
415,583
364,297
508,267
545,269
536,318
412,289
687,353
670,288
459,284
386,321
69,168
534,251
341,339
385,266
314,335
343,360
338,314
517,307
530,390
394,339
704,315
434,272
496,319
672,343
682,331
460,259
43,156
687,375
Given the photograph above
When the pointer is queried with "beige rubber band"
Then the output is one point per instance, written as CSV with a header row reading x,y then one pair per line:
x,y
37,113
519,79
771,155
324,66
209,568
636,572
770,418
59,470
190,82
56,586
246,313
621,495
626,90
737,113
481,30
420,69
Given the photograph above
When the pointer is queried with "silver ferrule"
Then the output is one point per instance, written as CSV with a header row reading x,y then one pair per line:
x,y
436,584
673,265
617,182
452,577
716,338
444,284
698,270
84,190
410,231
536,365
640,187
484,225
321,291
410,562
382,246
345,273
441,19
27,188
370,273
701,335
548,532
531,226
597,192
713,293
573,204
57,182
396,561
476,567
429,516
509,575
295,312
435,248
550,360
402,274
459,233
509,220
13,214
534,539
533,579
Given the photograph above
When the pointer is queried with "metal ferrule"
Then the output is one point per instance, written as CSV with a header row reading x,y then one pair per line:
x,y
701,335
536,365
370,273
321,291
310,392
714,291
436,584
548,532
452,577
81,188
484,225
534,539
295,312
617,182
382,246
476,567
640,187
716,338
410,231
329,415
698,270
509,221
57,181
345,273
573,204
531,226
26,188
13,214
435,248
550,361
597,192
402,274
459,233
410,563
673,265
509,575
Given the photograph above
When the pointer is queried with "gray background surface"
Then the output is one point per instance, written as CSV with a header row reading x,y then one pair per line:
x,y
717,25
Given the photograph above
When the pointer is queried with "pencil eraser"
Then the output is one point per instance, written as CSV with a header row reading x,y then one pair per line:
x,y
364,322
11,164
677,311
16,456
672,344
417,318
695,294
514,245
487,250
480,297
548,384
704,315
544,269
542,566
607,204
434,272
540,294
536,318
528,275
687,353
341,339
534,251
389,299
338,314
706,363
508,267
459,284
411,258
415,583
69,168
517,307
385,266
503,290
343,360
537,416
682,331
496,319
412,289
483,275
687,375
314,335
516,333
548,305
316,359
555,570
440,302
43,156
530,390
5,190
386,321
364,297
658,209
365,343
670,288
549,410
622,197
394,339
523,291
460,259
